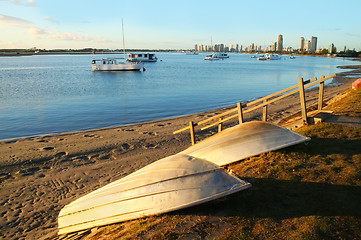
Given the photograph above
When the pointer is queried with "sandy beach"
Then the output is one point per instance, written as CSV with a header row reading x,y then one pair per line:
x,y
40,175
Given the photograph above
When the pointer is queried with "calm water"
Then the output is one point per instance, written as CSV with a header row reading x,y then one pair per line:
x,y
49,94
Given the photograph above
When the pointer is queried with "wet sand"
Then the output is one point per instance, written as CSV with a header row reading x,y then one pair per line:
x,y
40,175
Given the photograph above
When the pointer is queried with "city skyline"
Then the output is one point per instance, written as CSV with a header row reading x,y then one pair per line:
x,y
175,25
308,46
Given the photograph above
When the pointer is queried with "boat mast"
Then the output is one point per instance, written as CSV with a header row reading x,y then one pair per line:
x,y
123,41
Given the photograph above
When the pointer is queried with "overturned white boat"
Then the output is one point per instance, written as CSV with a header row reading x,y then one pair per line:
x,y
188,178
243,141
168,184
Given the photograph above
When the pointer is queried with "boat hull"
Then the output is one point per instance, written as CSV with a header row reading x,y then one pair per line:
x,y
168,184
117,67
243,141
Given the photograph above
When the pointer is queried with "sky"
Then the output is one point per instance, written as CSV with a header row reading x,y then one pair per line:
x,y
177,24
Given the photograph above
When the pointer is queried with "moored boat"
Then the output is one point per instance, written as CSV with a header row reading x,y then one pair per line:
x,y
222,55
115,64
216,56
191,53
270,56
142,57
211,57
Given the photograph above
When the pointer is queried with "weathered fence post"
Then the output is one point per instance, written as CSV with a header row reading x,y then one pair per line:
x,y
302,100
240,112
320,94
264,118
220,125
191,128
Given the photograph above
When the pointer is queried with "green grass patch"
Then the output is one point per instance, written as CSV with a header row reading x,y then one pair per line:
x,y
349,106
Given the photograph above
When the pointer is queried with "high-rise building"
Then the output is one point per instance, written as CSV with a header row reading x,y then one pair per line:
x,y
273,47
237,47
302,44
196,47
307,46
313,44
279,43
331,48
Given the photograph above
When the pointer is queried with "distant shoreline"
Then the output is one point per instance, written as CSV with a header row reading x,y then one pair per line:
x,y
21,54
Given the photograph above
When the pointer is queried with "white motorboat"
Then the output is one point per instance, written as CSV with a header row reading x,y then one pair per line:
x,y
216,56
212,57
292,57
262,58
169,184
222,55
115,64
142,57
191,53
270,56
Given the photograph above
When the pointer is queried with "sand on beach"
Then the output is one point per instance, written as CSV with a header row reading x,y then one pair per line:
x,y
40,175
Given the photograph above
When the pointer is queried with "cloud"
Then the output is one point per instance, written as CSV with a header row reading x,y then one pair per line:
x,y
8,21
353,35
44,33
67,36
25,3
50,19
37,33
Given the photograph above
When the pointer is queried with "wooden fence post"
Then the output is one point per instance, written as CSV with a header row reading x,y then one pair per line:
x,y
240,112
191,128
320,94
264,118
220,125
302,100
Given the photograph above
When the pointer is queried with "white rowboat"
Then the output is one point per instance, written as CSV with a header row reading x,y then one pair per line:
x,y
169,184
243,141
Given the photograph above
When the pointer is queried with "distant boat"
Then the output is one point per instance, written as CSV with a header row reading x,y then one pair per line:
x,y
222,55
211,57
262,58
142,57
191,53
292,57
115,64
272,56
216,56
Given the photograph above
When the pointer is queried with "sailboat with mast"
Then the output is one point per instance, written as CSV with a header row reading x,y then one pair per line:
x,y
213,56
116,64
